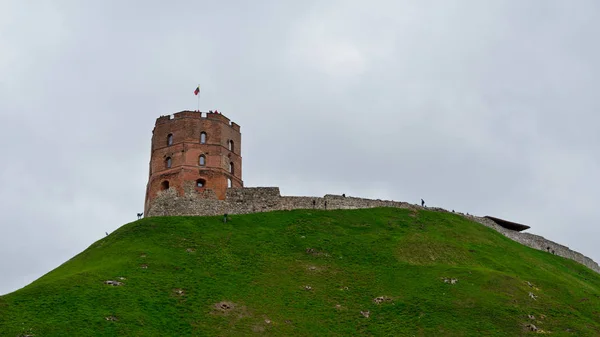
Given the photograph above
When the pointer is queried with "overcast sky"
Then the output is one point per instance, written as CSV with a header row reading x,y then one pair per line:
x,y
487,107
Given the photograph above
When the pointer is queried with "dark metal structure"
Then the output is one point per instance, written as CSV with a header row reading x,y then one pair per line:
x,y
508,224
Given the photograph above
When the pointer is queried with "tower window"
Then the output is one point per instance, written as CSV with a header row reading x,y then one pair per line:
x,y
168,162
203,137
229,182
202,160
231,168
231,145
170,139
200,183
164,185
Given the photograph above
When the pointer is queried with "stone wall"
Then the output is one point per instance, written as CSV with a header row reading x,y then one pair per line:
x,y
252,200
265,199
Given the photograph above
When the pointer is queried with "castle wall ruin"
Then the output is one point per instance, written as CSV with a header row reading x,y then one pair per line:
x,y
251,200
264,199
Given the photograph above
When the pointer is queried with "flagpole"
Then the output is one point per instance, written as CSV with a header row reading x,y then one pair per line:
x,y
198,99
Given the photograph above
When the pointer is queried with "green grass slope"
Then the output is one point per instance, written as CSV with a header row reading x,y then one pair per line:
x,y
308,273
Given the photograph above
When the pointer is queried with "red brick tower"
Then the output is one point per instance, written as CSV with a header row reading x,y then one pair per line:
x,y
190,151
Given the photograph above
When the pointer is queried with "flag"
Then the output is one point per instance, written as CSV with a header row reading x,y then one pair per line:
x,y
197,90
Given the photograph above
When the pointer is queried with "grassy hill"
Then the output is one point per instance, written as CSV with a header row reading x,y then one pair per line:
x,y
308,273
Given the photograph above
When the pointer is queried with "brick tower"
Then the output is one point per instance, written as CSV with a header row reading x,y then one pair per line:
x,y
194,152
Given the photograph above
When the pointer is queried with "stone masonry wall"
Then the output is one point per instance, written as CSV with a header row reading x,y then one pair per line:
x,y
252,200
265,199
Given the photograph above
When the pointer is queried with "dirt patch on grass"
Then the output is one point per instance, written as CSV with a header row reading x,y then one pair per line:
x,y
315,252
531,327
449,280
258,328
314,268
340,307
228,308
262,327
382,299
225,306
312,251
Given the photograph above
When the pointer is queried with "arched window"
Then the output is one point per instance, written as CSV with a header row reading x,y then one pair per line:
x,y
203,137
200,183
168,162
231,145
164,185
202,160
228,182
170,139
231,168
